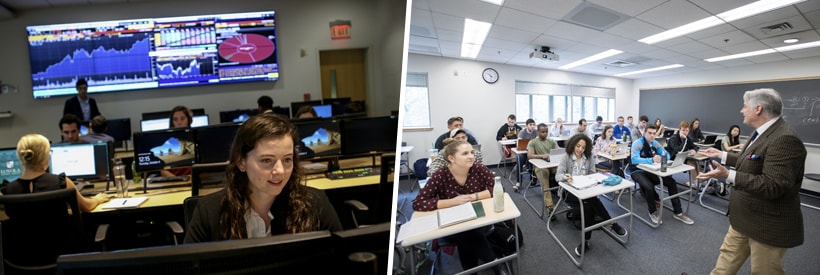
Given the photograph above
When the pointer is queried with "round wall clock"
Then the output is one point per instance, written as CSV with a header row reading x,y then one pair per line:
x,y
490,75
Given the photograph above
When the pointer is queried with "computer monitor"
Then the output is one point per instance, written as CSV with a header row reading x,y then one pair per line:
x,y
164,149
372,238
236,115
320,136
283,111
301,253
11,169
83,161
83,129
338,105
199,121
154,124
295,106
362,135
213,143
323,111
167,114
119,129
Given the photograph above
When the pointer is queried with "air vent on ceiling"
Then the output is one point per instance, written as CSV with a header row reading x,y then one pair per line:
x,y
594,16
620,63
776,28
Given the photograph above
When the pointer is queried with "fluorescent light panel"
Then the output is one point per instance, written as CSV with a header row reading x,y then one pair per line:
x,y
725,17
475,32
651,70
497,2
589,59
766,51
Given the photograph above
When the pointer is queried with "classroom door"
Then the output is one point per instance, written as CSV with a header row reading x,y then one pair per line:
x,y
344,73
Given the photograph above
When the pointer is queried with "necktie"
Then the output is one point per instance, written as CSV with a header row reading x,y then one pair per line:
x,y
754,136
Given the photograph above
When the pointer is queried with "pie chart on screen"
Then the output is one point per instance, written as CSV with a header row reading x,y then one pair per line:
x,y
246,48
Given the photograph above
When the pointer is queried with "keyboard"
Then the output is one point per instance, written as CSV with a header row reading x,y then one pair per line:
x,y
353,173
168,179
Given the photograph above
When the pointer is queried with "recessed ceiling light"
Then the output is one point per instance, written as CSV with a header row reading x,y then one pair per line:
x,y
791,40
652,70
766,51
589,59
474,34
497,2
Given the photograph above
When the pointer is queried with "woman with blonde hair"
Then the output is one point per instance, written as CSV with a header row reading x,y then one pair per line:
x,y
34,151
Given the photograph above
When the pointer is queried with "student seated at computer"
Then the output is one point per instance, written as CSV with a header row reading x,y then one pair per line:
x,y
33,150
646,150
306,112
528,132
264,194
440,161
578,161
181,117
463,181
69,129
97,133
681,143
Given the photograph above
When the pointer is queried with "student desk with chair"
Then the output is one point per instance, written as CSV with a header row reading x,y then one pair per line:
x,y
490,217
540,164
587,192
669,171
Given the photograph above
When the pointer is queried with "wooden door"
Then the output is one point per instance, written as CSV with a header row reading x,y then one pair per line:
x,y
344,73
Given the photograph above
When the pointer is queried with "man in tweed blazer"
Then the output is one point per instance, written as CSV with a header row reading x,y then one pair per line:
x,y
764,208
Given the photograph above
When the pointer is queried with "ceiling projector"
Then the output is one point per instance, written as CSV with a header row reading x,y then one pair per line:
x,y
544,54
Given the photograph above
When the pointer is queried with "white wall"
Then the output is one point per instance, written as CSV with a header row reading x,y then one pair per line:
x,y
457,89
376,25
802,68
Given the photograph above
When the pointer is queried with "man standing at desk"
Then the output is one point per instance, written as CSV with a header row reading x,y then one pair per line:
x,y
82,106
764,209
539,148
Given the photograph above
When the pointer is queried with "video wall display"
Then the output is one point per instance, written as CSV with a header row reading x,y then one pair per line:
x,y
153,53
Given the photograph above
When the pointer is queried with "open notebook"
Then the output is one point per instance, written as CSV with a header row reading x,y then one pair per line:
x,y
442,218
125,203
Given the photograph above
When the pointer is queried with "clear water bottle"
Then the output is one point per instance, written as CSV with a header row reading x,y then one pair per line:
x,y
663,162
498,195
118,170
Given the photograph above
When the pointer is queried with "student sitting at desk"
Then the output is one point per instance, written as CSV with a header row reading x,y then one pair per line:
x,y
529,132
578,161
539,148
508,131
33,151
695,134
97,133
731,140
463,181
647,150
605,144
661,128
681,143
439,161
557,129
619,130
263,195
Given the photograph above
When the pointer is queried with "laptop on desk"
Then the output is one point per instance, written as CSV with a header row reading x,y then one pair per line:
x,y
710,139
622,148
522,144
680,158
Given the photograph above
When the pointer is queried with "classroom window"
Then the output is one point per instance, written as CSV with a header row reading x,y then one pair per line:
x,y
546,102
416,109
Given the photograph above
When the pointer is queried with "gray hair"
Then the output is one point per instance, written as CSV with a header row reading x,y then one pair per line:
x,y
767,98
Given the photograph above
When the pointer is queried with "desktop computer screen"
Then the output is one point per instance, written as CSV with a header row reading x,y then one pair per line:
x,y
164,149
338,105
80,161
119,129
11,169
321,136
362,135
154,124
213,143
295,106
236,115
323,111
199,121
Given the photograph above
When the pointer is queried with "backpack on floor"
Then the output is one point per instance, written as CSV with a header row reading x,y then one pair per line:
x,y
503,238
420,168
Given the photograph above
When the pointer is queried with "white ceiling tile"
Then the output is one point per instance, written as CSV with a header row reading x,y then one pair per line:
x,y
523,21
634,29
808,6
473,9
690,47
766,17
719,29
673,14
421,4
448,22
804,36
746,47
505,44
571,31
448,35
631,7
515,35
716,7
555,9
554,42
734,38
734,63
805,53
608,40
709,54
660,54
767,58
814,17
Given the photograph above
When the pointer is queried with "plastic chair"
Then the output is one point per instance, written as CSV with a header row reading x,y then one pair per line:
x,y
41,226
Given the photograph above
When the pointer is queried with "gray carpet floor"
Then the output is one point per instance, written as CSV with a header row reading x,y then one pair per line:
x,y
672,248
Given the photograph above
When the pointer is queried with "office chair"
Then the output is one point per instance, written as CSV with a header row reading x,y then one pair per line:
x,y
384,203
29,239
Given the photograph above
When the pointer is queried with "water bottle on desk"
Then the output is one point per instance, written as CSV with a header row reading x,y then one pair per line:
x,y
663,162
498,195
120,183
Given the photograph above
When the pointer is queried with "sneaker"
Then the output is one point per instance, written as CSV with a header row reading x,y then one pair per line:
x,y
683,218
620,231
584,246
655,218
549,211
721,189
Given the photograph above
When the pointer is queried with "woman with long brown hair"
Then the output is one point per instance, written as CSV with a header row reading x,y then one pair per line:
x,y
263,195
